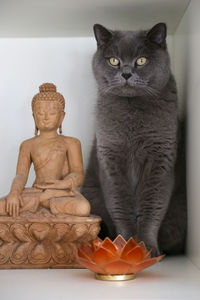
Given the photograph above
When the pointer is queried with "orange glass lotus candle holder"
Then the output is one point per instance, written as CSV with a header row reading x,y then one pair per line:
x,y
117,260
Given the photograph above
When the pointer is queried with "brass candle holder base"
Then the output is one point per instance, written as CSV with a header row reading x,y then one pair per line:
x,y
114,277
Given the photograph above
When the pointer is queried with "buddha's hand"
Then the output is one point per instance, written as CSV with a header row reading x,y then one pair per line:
x,y
65,184
13,202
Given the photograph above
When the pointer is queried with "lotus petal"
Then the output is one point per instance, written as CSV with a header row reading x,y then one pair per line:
x,y
119,242
148,254
91,266
143,247
129,246
118,267
96,244
103,256
146,263
108,244
87,251
134,256
83,254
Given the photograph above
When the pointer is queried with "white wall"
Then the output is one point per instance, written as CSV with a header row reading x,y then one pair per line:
x,y
187,57
24,65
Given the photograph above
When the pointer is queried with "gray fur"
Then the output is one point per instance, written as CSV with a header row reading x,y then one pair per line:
x,y
130,178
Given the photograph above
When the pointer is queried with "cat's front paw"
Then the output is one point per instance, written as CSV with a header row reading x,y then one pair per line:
x,y
155,251
151,245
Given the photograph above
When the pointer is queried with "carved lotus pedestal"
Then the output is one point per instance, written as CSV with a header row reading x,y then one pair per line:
x,y
44,240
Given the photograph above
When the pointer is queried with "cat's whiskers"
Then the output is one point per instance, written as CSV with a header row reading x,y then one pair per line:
x,y
137,83
109,86
151,91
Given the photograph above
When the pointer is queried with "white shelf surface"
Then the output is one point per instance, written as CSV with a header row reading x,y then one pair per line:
x,y
172,278
63,18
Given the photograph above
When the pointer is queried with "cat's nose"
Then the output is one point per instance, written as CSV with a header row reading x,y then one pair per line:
x,y
126,75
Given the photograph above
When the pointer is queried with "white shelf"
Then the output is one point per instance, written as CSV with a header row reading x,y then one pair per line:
x,y
63,18
173,278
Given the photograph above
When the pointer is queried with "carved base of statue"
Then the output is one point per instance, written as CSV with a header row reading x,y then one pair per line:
x,y
43,240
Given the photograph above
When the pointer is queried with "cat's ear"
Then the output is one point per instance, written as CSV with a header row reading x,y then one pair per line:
x,y
102,34
157,34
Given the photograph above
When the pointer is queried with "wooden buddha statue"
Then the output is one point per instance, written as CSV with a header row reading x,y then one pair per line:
x,y
57,161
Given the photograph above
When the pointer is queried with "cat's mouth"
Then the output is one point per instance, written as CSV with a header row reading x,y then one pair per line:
x,y
128,89
134,84
131,86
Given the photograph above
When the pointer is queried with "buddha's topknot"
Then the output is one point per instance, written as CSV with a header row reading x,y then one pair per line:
x,y
48,93
47,87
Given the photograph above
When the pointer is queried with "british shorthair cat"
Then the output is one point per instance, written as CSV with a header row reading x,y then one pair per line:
x,y
133,180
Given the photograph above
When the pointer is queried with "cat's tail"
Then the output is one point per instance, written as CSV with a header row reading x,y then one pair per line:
x,y
92,191
172,235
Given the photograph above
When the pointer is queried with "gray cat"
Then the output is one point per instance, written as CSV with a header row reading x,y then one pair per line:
x,y
130,181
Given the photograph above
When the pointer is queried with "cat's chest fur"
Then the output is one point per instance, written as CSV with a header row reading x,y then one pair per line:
x,y
135,125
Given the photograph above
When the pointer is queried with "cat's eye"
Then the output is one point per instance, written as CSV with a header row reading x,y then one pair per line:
x,y
114,61
141,61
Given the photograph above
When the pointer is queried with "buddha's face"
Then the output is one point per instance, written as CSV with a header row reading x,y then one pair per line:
x,y
48,115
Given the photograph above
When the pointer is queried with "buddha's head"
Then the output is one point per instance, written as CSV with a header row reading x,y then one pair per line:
x,y
48,108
